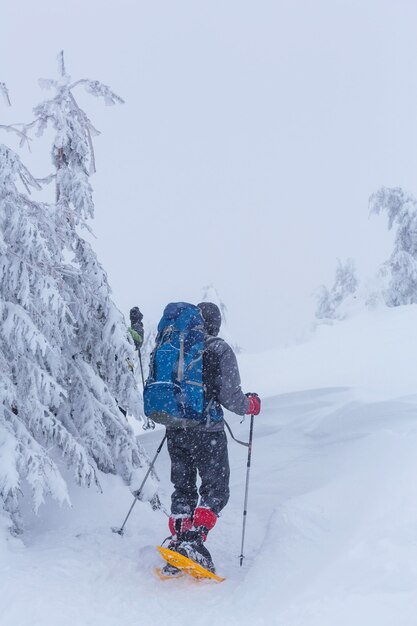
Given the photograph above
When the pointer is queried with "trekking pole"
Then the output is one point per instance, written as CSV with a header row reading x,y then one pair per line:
x,y
245,506
137,494
141,368
150,424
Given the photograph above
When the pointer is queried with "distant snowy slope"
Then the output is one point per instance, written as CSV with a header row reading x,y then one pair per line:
x,y
375,350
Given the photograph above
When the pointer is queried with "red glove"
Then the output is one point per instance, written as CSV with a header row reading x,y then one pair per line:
x,y
254,404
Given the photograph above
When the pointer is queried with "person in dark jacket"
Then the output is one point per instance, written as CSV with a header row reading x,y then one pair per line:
x,y
201,448
136,327
136,332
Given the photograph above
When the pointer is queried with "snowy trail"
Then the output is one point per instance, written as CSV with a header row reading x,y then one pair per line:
x,y
331,532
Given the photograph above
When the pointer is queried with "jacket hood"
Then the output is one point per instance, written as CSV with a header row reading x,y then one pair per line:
x,y
211,316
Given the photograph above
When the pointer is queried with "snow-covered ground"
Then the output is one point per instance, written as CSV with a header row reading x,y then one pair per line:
x,y
332,524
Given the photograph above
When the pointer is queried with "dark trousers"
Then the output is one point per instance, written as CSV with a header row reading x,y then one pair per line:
x,y
194,450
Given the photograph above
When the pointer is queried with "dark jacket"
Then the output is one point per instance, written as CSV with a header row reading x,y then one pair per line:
x,y
136,327
221,376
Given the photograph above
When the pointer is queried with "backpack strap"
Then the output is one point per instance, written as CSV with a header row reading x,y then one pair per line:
x,y
180,374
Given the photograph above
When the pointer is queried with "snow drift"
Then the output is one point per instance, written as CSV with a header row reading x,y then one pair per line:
x,y
332,520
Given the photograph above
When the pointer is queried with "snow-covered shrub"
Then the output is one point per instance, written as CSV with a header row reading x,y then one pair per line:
x,y
401,209
329,301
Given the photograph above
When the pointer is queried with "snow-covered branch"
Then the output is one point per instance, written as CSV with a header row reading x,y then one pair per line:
x,y
5,94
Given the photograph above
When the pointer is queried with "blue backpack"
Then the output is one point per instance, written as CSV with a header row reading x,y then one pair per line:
x,y
174,390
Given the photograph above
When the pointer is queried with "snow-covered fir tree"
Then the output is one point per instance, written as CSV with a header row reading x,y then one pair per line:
x,y
67,361
401,209
102,356
36,324
329,301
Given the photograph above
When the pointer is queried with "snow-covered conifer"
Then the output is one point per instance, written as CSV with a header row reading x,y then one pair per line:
x,y
101,356
33,333
401,208
329,301
66,358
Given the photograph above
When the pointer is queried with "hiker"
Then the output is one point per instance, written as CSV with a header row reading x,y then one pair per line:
x,y
136,332
200,446
136,327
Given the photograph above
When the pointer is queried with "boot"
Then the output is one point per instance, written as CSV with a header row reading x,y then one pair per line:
x,y
192,542
191,545
178,525
188,537
169,571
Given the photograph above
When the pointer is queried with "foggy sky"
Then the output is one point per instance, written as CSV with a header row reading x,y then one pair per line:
x,y
252,136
